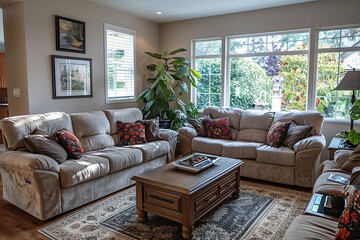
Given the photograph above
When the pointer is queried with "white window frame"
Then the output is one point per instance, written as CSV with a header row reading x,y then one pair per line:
x,y
221,56
124,31
318,50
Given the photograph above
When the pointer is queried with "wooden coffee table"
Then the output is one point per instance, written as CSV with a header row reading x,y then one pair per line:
x,y
183,196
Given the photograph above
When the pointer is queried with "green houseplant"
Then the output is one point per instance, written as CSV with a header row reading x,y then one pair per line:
x,y
352,135
168,80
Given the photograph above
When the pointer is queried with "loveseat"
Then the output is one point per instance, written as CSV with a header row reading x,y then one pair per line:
x,y
44,188
296,163
310,226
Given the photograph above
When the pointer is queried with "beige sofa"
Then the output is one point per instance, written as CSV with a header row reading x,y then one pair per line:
x,y
44,188
310,227
298,166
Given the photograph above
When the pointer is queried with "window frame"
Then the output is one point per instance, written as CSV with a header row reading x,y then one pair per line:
x,y
122,30
317,51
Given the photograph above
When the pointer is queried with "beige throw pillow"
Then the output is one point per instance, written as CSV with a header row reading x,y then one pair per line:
x,y
296,133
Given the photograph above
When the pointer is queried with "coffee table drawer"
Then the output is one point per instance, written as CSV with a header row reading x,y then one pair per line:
x,y
162,199
207,198
228,183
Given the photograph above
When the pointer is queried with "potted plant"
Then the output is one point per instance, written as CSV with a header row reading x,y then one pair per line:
x,y
168,80
352,136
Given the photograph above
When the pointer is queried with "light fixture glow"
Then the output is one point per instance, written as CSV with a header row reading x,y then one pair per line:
x,y
159,13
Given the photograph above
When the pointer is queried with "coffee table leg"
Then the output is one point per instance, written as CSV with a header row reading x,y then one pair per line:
x,y
142,216
236,194
187,232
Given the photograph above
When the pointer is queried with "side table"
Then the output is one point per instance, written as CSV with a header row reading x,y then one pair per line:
x,y
337,144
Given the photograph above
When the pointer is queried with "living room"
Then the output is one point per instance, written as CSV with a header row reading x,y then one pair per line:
x,y
29,31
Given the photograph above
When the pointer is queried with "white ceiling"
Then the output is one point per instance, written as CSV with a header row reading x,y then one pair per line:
x,y
174,10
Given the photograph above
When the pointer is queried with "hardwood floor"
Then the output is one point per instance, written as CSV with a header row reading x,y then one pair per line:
x,y
16,224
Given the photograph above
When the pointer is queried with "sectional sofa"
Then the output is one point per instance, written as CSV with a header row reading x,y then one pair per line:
x,y
44,188
294,164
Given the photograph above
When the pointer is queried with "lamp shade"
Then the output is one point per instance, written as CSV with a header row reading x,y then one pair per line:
x,y
351,81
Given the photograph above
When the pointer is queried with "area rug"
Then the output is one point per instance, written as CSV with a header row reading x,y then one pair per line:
x,y
261,212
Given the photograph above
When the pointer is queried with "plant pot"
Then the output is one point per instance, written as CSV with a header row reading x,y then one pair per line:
x,y
165,123
337,202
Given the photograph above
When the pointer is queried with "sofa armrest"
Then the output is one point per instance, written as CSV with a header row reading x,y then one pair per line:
x,y
341,156
167,134
186,135
172,137
317,141
355,176
26,161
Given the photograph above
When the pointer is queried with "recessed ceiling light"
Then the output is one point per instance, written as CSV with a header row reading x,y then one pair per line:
x,y
159,13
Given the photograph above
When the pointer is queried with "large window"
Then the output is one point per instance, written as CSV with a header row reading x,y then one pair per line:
x,y
207,61
338,51
119,64
267,71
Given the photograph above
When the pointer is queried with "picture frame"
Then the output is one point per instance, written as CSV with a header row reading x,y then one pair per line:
x,y
71,76
70,35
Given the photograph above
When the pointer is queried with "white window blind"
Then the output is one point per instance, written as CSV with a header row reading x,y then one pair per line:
x,y
119,64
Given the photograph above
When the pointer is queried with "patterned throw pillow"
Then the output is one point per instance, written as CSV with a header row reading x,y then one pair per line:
x,y
131,133
349,225
70,143
218,128
277,134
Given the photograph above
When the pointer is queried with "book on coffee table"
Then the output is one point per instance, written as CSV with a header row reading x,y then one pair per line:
x,y
339,179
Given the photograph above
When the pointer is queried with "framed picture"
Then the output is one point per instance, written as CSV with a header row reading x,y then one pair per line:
x,y
72,77
70,35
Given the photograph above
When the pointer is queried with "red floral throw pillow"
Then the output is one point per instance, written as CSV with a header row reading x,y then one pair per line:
x,y
277,134
349,225
131,133
70,143
218,128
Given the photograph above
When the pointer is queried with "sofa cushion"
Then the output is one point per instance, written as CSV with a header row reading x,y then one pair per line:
x,y
233,114
218,128
238,149
353,161
323,185
70,143
151,129
296,133
254,125
310,118
92,129
73,172
152,150
15,128
119,157
209,145
42,142
272,155
199,125
308,227
131,133
277,134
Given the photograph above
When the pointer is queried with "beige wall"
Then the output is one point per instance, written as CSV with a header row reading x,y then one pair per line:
x,y
312,15
40,44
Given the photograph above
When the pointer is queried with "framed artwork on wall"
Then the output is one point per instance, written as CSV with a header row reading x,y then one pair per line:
x,y
70,35
72,77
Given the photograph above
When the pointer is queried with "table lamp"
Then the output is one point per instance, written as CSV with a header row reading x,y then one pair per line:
x,y
351,81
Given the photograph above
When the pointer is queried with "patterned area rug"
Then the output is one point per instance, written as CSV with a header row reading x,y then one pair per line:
x,y
261,212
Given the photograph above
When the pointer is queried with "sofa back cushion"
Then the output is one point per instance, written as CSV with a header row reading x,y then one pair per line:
x,y
310,118
233,114
254,125
15,128
123,115
92,129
